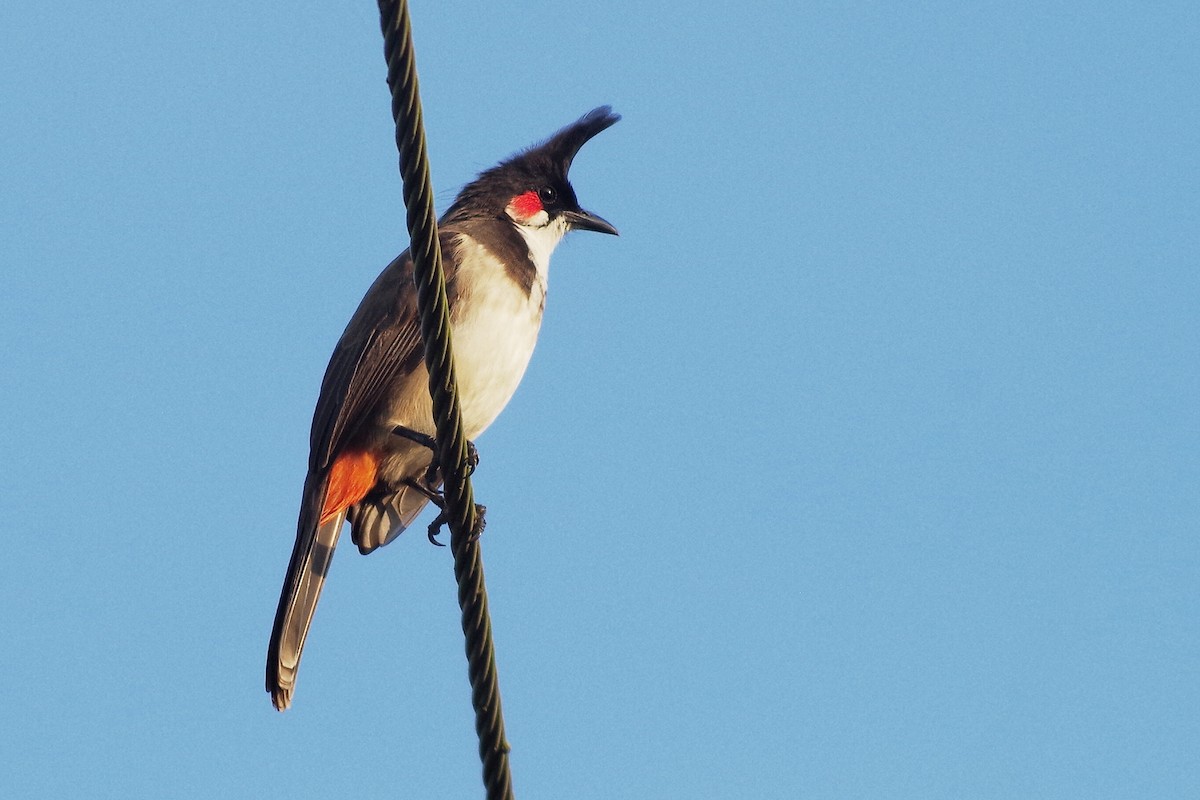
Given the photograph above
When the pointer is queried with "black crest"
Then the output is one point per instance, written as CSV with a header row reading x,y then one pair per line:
x,y
561,148
544,163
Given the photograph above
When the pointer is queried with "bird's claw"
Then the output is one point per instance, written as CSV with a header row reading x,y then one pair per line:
x,y
435,527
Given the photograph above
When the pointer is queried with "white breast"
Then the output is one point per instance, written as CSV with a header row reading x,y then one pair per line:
x,y
494,335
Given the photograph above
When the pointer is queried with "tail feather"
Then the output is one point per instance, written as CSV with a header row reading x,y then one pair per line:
x,y
350,478
306,573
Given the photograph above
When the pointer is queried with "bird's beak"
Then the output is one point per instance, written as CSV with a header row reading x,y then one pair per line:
x,y
585,221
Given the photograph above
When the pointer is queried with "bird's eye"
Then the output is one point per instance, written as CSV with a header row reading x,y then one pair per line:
x,y
547,195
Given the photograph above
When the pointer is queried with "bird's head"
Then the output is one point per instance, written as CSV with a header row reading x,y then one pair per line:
x,y
531,189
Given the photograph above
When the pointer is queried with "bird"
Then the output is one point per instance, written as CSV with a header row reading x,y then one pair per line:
x,y
371,460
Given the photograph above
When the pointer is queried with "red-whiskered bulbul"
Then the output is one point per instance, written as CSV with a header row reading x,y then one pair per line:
x,y
367,463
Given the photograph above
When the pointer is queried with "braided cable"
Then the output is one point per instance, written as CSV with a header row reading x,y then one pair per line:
x,y
452,452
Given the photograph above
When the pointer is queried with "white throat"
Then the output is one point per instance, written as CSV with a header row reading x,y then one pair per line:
x,y
541,241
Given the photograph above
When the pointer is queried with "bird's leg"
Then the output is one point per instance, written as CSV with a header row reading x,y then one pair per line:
x,y
431,494
425,440
429,486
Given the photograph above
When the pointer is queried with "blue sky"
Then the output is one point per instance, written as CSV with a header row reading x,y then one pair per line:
x,y
863,464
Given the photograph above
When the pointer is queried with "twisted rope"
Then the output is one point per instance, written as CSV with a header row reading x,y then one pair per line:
x,y
434,310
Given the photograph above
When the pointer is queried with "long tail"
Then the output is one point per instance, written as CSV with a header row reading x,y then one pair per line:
x,y
316,537
297,603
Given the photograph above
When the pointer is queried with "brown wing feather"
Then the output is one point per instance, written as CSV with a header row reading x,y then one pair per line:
x,y
382,338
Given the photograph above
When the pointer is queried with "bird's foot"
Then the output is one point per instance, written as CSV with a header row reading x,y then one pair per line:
x,y
435,527
439,499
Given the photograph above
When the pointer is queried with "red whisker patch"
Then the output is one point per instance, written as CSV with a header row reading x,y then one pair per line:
x,y
526,205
